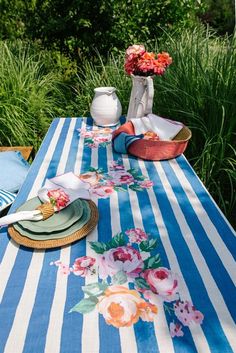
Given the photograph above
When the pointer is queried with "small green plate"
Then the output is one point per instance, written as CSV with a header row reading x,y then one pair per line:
x,y
59,221
86,213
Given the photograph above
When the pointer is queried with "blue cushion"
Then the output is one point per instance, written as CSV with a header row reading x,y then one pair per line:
x,y
14,169
6,199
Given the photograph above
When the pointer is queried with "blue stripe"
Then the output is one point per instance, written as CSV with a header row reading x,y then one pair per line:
x,y
211,325
211,208
71,336
47,280
207,249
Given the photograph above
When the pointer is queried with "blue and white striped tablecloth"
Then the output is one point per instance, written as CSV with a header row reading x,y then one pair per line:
x,y
195,242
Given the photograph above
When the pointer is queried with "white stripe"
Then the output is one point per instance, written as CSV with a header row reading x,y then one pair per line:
x,y
200,340
210,229
6,266
90,330
160,324
26,303
53,338
16,338
213,291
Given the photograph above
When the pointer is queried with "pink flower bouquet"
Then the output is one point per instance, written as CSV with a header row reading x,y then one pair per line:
x,y
139,62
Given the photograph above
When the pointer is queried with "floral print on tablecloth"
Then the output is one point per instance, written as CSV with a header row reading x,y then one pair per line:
x,y
97,137
132,283
102,184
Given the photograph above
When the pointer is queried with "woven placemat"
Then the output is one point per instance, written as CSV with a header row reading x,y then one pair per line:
x,y
46,244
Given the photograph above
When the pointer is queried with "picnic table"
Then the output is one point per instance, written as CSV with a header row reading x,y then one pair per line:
x,y
157,274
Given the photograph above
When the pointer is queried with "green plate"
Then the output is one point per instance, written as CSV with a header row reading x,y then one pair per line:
x,y
59,221
86,213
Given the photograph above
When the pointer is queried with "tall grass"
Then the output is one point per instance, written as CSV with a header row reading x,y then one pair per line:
x,y
29,96
198,89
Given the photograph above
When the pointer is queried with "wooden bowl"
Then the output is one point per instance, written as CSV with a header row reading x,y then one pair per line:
x,y
156,150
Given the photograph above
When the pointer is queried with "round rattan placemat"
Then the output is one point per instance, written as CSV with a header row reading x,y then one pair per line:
x,y
53,243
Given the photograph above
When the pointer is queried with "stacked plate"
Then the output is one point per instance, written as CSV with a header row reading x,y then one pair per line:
x,y
70,224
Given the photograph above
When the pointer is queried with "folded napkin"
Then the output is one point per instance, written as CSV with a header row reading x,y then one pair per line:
x,y
56,194
166,129
122,142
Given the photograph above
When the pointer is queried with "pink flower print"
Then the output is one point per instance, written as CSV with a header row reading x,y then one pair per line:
x,y
102,191
162,282
136,235
82,265
176,330
116,166
122,258
58,198
187,314
64,269
121,177
86,133
146,184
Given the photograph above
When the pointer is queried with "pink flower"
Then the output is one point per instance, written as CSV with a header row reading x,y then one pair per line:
x,y
176,330
58,198
121,177
162,282
83,265
140,62
135,49
102,191
187,314
64,269
146,184
116,166
136,235
122,258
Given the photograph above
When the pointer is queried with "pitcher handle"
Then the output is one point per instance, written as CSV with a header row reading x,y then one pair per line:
x,y
150,95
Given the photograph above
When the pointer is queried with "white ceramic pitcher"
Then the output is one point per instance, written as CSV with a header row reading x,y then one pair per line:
x,y
141,98
105,108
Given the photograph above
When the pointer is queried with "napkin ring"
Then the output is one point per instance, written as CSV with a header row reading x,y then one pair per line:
x,y
46,209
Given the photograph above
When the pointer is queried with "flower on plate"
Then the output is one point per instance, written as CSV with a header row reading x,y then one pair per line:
x,y
136,235
122,258
187,314
58,198
122,307
140,62
82,265
176,330
162,282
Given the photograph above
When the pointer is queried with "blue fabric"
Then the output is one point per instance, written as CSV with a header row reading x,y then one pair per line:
x,y
14,169
6,198
122,142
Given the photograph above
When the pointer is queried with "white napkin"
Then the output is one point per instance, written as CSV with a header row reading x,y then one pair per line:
x,y
166,129
67,183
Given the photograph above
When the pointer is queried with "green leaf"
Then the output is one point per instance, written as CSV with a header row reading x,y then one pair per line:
x,y
152,262
140,177
95,289
120,188
117,240
141,283
133,171
135,187
91,169
98,247
88,140
85,306
148,245
119,278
